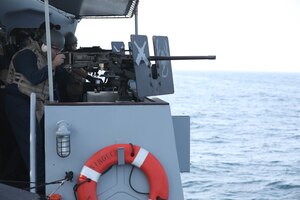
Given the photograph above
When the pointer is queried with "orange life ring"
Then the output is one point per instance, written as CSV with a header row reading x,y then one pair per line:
x,y
134,155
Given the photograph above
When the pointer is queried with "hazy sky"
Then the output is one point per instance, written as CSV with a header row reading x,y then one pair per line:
x,y
245,35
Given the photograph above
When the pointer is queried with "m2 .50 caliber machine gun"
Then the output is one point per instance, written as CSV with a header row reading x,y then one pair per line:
x,y
130,72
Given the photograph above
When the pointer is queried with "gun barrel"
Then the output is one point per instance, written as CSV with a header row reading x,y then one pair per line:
x,y
182,57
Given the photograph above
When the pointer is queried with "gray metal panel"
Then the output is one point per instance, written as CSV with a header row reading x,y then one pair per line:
x,y
96,126
181,126
164,83
147,82
118,46
140,54
12,193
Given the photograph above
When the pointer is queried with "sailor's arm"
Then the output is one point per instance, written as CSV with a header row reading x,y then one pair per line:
x,y
26,63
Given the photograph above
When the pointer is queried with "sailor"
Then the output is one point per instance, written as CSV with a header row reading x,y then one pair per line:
x,y
5,133
28,72
2,62
70,81
12,166
2,58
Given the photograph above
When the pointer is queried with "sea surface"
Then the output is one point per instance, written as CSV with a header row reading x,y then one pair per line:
x,y
245,134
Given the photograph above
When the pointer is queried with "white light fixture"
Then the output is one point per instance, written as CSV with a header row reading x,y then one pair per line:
x,y
63,144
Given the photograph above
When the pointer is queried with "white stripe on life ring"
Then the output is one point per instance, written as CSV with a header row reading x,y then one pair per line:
x,y
90,173
140,157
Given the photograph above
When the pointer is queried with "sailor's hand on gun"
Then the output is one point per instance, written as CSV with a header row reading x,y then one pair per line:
x,y
58,60
94,80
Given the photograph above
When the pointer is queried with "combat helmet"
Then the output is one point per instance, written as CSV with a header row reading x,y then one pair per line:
x,y
70,38
57,39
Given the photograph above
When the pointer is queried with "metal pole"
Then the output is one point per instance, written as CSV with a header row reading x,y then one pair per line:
x,y
49,56
32,143
136,21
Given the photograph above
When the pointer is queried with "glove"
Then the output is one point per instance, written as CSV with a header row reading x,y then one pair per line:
x,y
94,80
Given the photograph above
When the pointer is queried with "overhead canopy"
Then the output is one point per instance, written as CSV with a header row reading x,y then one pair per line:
x,y
30,14
97,8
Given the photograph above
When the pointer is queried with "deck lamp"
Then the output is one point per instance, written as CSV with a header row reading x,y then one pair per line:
x,y
63,145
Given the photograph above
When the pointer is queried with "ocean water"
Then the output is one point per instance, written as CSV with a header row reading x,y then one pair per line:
x,y
245,134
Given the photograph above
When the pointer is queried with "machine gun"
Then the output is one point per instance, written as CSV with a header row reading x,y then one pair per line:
x,y
116,67
131,72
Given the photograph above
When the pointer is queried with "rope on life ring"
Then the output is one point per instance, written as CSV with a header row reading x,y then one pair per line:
x,y
134,155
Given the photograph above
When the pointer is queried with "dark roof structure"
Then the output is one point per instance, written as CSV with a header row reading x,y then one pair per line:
x,y
97,8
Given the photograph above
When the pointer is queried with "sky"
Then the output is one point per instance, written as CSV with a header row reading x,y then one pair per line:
x,y
245,35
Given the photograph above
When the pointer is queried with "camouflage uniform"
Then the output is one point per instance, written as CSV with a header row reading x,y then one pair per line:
x,y
25,86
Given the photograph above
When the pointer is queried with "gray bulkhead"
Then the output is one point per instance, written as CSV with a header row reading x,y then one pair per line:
x,y
94,126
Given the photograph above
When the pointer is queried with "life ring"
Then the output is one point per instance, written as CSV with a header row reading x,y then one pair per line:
x,y
134,155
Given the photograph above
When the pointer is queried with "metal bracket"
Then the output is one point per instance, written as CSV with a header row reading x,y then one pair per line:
x,y
121,156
